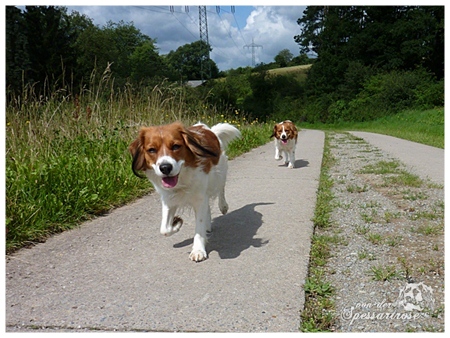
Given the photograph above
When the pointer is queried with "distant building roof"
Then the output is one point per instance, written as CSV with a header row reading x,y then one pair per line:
x,y
195,83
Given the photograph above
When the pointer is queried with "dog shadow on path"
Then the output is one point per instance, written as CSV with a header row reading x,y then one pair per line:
x,y
297,164
234,232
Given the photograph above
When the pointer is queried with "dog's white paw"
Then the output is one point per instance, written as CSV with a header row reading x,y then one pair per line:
x,y
277,158
176,226
198,255
290,165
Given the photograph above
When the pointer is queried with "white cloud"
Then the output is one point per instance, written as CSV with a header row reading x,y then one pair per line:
x,y
274,29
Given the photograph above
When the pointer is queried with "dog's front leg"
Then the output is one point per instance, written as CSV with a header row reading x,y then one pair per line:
x,y
170,223
202,226
277,151
291,159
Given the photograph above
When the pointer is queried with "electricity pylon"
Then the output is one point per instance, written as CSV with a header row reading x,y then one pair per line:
x,y
253,46
205,65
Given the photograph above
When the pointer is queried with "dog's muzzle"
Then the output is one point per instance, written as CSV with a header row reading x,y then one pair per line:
x,y
165,168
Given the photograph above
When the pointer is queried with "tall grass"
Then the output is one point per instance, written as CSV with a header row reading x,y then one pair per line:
x,y
67,157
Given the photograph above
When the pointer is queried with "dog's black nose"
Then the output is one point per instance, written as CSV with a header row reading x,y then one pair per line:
x,y
166,168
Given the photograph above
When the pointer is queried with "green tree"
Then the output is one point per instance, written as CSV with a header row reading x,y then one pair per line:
x,y
191,59
125,38
16,55
145,62
385,38
114,47
95,50
51,49
357,44
78,23
283,58
301,59
49,45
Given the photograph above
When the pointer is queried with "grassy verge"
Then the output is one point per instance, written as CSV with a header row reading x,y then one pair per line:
x,y
318,314
425,127
422,126
67,159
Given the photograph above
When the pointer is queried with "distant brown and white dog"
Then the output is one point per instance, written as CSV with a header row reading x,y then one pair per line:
x,y
187,166
285,134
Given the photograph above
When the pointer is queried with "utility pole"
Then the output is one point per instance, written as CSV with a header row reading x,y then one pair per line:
x,y
205,67
253,46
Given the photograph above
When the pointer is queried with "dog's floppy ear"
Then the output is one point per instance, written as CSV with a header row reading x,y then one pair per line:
x,y
197,143
294,127
274,132
137,152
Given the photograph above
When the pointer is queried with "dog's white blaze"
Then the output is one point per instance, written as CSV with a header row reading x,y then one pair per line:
x,y
283,133
176,165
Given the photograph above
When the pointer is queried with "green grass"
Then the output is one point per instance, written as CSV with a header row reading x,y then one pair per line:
x,y
403,178
299,72
318,314
422,126
384,273
292,69
400,177
381,168
324,195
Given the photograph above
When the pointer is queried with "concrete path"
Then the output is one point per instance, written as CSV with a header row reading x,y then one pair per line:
x,y
423,160
118,273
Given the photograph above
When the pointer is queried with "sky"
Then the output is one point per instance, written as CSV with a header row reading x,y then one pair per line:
x,y
234,33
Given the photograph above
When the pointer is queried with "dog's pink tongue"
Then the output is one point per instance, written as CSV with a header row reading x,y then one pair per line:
x,y
169,182
284,141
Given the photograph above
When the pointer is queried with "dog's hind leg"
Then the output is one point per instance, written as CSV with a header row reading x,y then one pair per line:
x,y
223,205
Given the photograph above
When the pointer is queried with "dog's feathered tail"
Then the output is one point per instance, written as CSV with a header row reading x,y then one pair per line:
x,y
225,133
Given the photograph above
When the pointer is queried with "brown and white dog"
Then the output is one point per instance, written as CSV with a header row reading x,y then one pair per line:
x,y
285,134
187,166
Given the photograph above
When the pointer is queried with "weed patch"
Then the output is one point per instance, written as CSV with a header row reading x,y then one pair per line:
x,y
318,314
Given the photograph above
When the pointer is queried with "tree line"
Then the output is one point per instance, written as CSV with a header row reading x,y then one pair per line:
x,y
48,48
371,61
377,58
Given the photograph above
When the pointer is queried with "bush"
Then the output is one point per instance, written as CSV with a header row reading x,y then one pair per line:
x,y
430,95
274,96
389,93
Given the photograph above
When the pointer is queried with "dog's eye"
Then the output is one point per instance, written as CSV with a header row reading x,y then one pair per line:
x,y
176,147
152,150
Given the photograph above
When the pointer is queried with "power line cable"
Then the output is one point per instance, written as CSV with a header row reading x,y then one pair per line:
x,y
183,25
229,33
239,29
